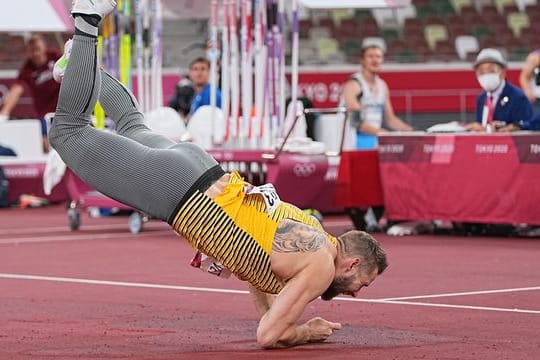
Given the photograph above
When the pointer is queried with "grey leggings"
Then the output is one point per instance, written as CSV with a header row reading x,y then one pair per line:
x,y
135,166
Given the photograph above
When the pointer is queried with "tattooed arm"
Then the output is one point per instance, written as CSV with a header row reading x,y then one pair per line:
x,y
292,236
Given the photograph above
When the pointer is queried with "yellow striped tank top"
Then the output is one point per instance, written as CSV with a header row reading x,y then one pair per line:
x,y
236,230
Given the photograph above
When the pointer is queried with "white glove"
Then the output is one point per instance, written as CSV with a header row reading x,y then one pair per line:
x,y
4,118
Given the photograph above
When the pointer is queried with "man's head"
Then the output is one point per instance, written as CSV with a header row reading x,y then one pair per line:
x,y
199,72
490,69
372,57
360,259
36,50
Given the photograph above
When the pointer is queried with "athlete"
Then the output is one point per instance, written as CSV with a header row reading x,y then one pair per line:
x,y
270,244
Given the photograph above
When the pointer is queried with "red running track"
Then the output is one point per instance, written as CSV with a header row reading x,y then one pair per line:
x,y
103,293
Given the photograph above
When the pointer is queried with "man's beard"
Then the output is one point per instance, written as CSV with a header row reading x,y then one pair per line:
x,y
338,286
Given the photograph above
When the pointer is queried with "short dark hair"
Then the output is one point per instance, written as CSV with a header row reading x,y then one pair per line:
x,y
361,244
200,59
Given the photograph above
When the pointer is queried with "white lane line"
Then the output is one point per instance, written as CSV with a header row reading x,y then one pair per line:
x,y
50,229
467,307
118,283
230,291
480,292
41,239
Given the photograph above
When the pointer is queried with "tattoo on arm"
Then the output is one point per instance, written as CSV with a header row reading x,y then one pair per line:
x,y
292,236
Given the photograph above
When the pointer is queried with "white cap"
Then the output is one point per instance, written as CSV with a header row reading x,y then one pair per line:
x,y
490,55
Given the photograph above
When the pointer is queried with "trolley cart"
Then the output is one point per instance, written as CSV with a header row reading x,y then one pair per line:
x,y
82,195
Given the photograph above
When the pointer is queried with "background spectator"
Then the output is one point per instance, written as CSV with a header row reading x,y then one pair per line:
x,y
36,75
501,106
529,79
198,92
367,97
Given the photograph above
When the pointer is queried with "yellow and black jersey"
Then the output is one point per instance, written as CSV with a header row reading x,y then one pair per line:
x,y
236,229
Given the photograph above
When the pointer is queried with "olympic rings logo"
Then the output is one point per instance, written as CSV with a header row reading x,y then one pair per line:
x,y
304,169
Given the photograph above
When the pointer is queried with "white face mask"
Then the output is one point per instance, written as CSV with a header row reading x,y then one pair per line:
x,y
489,82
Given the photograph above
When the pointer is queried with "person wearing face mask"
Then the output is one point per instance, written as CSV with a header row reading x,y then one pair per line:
x,y
501,107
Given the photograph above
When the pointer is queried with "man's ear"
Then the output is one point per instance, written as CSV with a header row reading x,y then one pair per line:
x,y
353,264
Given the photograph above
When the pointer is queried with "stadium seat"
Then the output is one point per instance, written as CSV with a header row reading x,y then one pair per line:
x,y
433,20
368,27
403,13
326,22
416,40
385,18
326,47
470,16
350,46
444,51
405,56
480,4
360,14
349,27
319,32
466,44
510,9
529,37
491,15
518,21
458,29
490,42
435,33
412,26
481,32
518,54
305,26
338,15
523,4
389,35
502,4
459,4
336,58
425,11
443,8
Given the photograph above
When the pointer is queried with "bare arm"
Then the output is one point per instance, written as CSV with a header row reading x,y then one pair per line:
x,y
527,72
12,97
278,325
262,301
392,120
351,90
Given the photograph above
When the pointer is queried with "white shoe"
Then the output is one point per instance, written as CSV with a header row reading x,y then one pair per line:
x,y
61,64
100,8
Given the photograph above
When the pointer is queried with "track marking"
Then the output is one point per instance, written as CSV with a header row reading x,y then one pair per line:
x,y
50,229
230,291
467,307
41,239
118,283
480,292
453,306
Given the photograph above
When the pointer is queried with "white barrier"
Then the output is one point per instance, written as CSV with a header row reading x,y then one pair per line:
x,y
24,137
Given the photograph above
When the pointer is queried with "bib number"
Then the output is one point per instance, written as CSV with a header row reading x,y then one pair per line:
x,y
269,195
